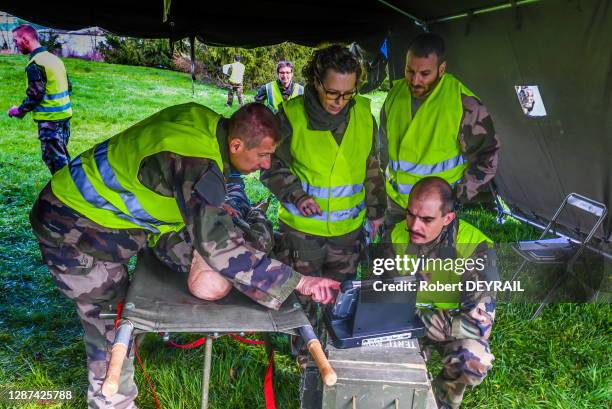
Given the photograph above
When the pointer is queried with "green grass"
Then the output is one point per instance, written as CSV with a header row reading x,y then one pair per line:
x,y
561,360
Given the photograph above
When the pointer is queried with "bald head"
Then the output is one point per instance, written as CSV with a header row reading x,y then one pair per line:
x,y
429,210
437,187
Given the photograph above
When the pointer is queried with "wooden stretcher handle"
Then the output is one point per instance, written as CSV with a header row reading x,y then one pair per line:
x,y
111,383
327,372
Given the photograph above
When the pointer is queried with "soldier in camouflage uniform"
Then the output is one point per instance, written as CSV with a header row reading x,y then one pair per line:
x,y
460,332
422,117
47,97
326,173
88,255
176,251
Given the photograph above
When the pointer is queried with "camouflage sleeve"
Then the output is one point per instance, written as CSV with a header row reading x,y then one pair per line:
x,y
480,147
200,190
261,95
35,92
279,178
383,152
374,183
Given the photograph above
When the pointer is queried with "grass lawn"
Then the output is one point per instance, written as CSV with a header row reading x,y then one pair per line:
x,y
561,360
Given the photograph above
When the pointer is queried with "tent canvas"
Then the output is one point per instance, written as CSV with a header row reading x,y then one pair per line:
x,y
562,47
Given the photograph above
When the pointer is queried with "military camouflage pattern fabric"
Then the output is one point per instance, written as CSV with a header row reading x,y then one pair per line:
x,y
175,250
287,187
53,136
479,145
92,280
88,261
231,89
461,336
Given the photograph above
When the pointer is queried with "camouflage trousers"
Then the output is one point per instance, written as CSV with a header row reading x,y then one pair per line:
x,y
465,352
53,136
92,281
330,257
237,88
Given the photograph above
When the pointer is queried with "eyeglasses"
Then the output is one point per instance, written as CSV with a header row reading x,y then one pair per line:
x,y
334,95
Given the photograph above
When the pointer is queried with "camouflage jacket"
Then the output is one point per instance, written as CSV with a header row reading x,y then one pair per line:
x,y
199,187
37,81
479,145
477,308
287,187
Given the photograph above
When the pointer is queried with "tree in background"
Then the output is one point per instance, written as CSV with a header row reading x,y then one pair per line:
x,y
260,62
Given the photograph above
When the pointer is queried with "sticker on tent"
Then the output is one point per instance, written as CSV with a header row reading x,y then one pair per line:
x,y
530,100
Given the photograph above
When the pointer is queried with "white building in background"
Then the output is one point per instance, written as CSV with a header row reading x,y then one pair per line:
x,y
78,43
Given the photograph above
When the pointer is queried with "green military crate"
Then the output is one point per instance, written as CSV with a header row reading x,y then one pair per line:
x,y
389,375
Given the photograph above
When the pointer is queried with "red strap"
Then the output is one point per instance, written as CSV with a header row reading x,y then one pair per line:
x,y
194,344
146,376
269,383
119,312
246,340
268,379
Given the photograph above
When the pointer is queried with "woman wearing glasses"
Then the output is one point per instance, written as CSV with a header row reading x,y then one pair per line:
x,y
325,172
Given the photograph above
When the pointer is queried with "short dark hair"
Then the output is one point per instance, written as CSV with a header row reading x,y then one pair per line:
x,y
440,186
427,43
237,57
252,123
283,64
27,30
335,57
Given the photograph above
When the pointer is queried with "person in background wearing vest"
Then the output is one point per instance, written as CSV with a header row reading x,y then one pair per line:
x,y
325,172
275,92
235,71
458,324
433,125
48,97
162,175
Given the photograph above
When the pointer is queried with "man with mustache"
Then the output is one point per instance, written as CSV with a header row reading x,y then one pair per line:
x,y
458,323
433,125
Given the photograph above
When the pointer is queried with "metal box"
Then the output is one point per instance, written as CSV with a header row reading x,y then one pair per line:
x,y
385,375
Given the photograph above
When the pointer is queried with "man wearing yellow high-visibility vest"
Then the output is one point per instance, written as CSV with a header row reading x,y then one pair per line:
x,y
48,97
325,173
164,175
433,125
284,88
452,252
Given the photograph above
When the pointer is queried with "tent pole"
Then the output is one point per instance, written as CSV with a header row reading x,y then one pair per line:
x,y
416,20
193,77
481,11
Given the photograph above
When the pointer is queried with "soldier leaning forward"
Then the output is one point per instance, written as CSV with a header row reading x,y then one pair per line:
x,y
164,174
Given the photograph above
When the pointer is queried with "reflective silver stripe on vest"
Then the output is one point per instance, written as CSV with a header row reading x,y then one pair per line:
x,y
418,169
110,180
336,191
90,194
335,216
56,96
270,95
406,188
52,109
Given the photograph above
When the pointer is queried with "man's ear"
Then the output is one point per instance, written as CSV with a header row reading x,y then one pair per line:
x,y
448,218
442,69
236,145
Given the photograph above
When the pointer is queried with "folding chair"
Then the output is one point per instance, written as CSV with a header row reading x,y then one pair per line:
x,y
559,250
